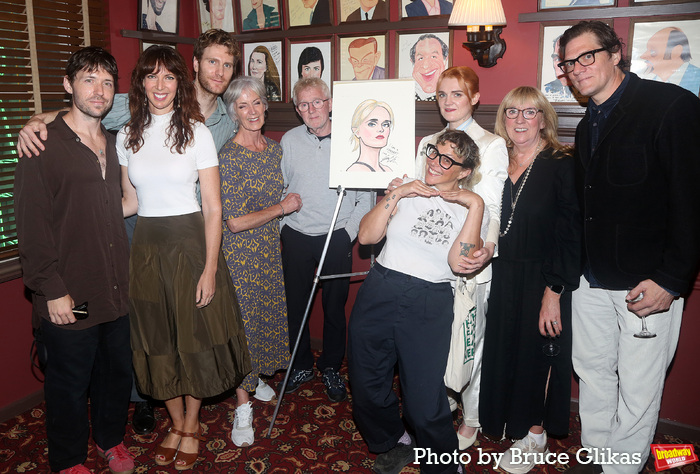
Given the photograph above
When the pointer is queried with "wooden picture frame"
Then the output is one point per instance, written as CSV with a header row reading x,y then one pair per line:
x,y
416,8
573,4
310,57
162,16
373,133
308,12
249,20
666,49
216,14
657,2
433,58
351,11
265,55
360,61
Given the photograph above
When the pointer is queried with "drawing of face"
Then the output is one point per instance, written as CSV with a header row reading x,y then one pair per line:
x,y
157,6
375,129
313,69
655,56
257,65
363,60
429,64
309,3
217,12
256,4
558,73
367,5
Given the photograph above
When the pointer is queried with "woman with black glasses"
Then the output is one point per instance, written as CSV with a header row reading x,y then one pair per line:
x,y
403,311
526,369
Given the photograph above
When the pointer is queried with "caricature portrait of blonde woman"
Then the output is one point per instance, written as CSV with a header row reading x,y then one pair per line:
x,y
371,126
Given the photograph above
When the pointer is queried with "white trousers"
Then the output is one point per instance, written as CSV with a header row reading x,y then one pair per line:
x,y
621,376
470,395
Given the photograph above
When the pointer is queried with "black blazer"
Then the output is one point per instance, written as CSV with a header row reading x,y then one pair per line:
x,y
379,13
640,191
322,13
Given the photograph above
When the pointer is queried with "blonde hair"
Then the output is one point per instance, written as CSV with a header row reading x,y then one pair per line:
x,y
362,112
526,94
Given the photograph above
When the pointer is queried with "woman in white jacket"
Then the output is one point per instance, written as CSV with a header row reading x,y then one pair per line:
x,y
457,95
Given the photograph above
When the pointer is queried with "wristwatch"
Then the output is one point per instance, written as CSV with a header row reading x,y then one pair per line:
x,y
558,289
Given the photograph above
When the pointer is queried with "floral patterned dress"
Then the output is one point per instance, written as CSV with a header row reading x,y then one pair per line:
x,y
252,181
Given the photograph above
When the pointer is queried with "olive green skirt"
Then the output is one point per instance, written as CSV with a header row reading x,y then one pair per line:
x,y
179,349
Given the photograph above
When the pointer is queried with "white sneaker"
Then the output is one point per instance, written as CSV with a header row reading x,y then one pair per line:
x,y
242,433
263,391
523,455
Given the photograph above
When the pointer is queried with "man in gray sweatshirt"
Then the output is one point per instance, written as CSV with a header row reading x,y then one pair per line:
x,y
306,167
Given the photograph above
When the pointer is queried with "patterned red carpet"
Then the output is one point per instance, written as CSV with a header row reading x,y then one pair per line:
x,y
311,435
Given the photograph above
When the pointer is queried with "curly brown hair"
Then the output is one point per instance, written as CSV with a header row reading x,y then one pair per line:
x,y
186,108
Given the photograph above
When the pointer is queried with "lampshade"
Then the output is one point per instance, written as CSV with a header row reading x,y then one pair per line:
x,y
477,12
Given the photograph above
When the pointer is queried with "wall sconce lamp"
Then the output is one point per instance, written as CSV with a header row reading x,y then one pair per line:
x,y
484,20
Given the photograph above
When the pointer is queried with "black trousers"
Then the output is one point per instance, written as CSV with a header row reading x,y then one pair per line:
x,y
301,254
400,319
92,363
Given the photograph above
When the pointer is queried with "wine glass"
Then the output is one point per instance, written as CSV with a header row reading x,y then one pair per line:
x,y
550,348
644,333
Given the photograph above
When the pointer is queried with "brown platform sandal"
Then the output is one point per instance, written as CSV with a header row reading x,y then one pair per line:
x,y
165,456
188,458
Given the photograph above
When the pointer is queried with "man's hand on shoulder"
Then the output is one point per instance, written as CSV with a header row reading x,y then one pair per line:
x,y
655,299
28,143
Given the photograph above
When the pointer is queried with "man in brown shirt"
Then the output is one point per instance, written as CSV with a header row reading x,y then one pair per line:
x,y
74,255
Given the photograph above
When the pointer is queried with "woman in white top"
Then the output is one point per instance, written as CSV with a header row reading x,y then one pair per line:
x,y
187,336
403,311
457,95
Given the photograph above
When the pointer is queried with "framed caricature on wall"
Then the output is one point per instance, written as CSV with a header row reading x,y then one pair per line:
x,y
423,56
264,61
363,10
570,4
310,58
373,133
667,50
159,15
259,14
216,14
308,12
362,58
414,8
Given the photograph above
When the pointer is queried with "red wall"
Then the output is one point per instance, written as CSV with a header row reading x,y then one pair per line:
x,y
15,342
517,67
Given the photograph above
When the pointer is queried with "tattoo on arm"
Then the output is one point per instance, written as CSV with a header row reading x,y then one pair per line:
x,y
465,248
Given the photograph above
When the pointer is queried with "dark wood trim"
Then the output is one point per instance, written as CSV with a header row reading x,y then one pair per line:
x,y
20,406
156,37
619,12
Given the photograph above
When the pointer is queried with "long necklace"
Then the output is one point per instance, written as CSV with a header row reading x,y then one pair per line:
x,y
514,202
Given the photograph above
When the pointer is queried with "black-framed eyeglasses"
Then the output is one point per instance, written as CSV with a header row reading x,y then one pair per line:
x,y
444,161
317,103
528,114
584,59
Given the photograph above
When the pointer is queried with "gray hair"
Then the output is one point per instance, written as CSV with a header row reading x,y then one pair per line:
x,y
236,88
308,82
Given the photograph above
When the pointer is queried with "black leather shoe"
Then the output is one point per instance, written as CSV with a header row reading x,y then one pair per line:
x,y
143,421
394,460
